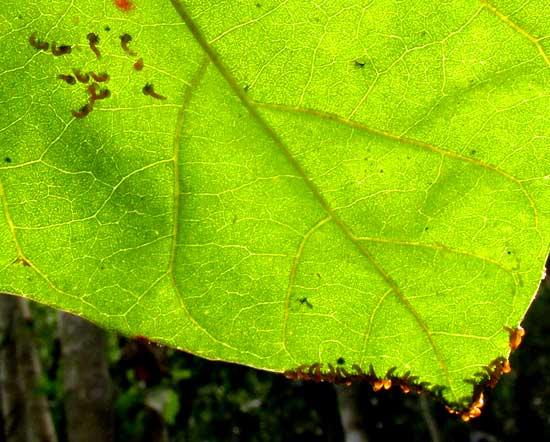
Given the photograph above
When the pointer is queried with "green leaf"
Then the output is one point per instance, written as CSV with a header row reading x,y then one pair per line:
x,y
345,183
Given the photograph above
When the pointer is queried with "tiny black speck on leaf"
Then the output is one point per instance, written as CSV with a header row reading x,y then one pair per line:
x,y
8,160
340,361
304,301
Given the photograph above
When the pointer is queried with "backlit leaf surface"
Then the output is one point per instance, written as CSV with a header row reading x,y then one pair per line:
x,y
341,182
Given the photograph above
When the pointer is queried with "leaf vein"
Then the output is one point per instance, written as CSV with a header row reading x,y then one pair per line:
x,y
292,278
251,108
177,196
409,141
517,28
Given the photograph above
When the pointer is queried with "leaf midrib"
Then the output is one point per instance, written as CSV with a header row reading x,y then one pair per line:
x,y
251,108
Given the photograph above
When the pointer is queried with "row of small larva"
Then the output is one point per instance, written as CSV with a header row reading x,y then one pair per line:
x,y
83,77
44,45
93,40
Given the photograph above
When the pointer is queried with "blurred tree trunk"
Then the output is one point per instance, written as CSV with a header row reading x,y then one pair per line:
x,y
352,418
2,428
13,390
26,414
87,386
155,428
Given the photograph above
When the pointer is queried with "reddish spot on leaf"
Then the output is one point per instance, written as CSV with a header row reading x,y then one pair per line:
x,y
138,65
124,5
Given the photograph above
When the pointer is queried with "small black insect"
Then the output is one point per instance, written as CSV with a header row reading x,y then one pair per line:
x,y
305,302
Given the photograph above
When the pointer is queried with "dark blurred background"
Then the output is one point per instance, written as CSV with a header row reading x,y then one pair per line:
x,y
63,379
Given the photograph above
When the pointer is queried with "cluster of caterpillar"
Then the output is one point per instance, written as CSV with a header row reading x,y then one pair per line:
x,y
340,375
93,40
83,77
466,408
94,96
92,89
481,381
44,45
